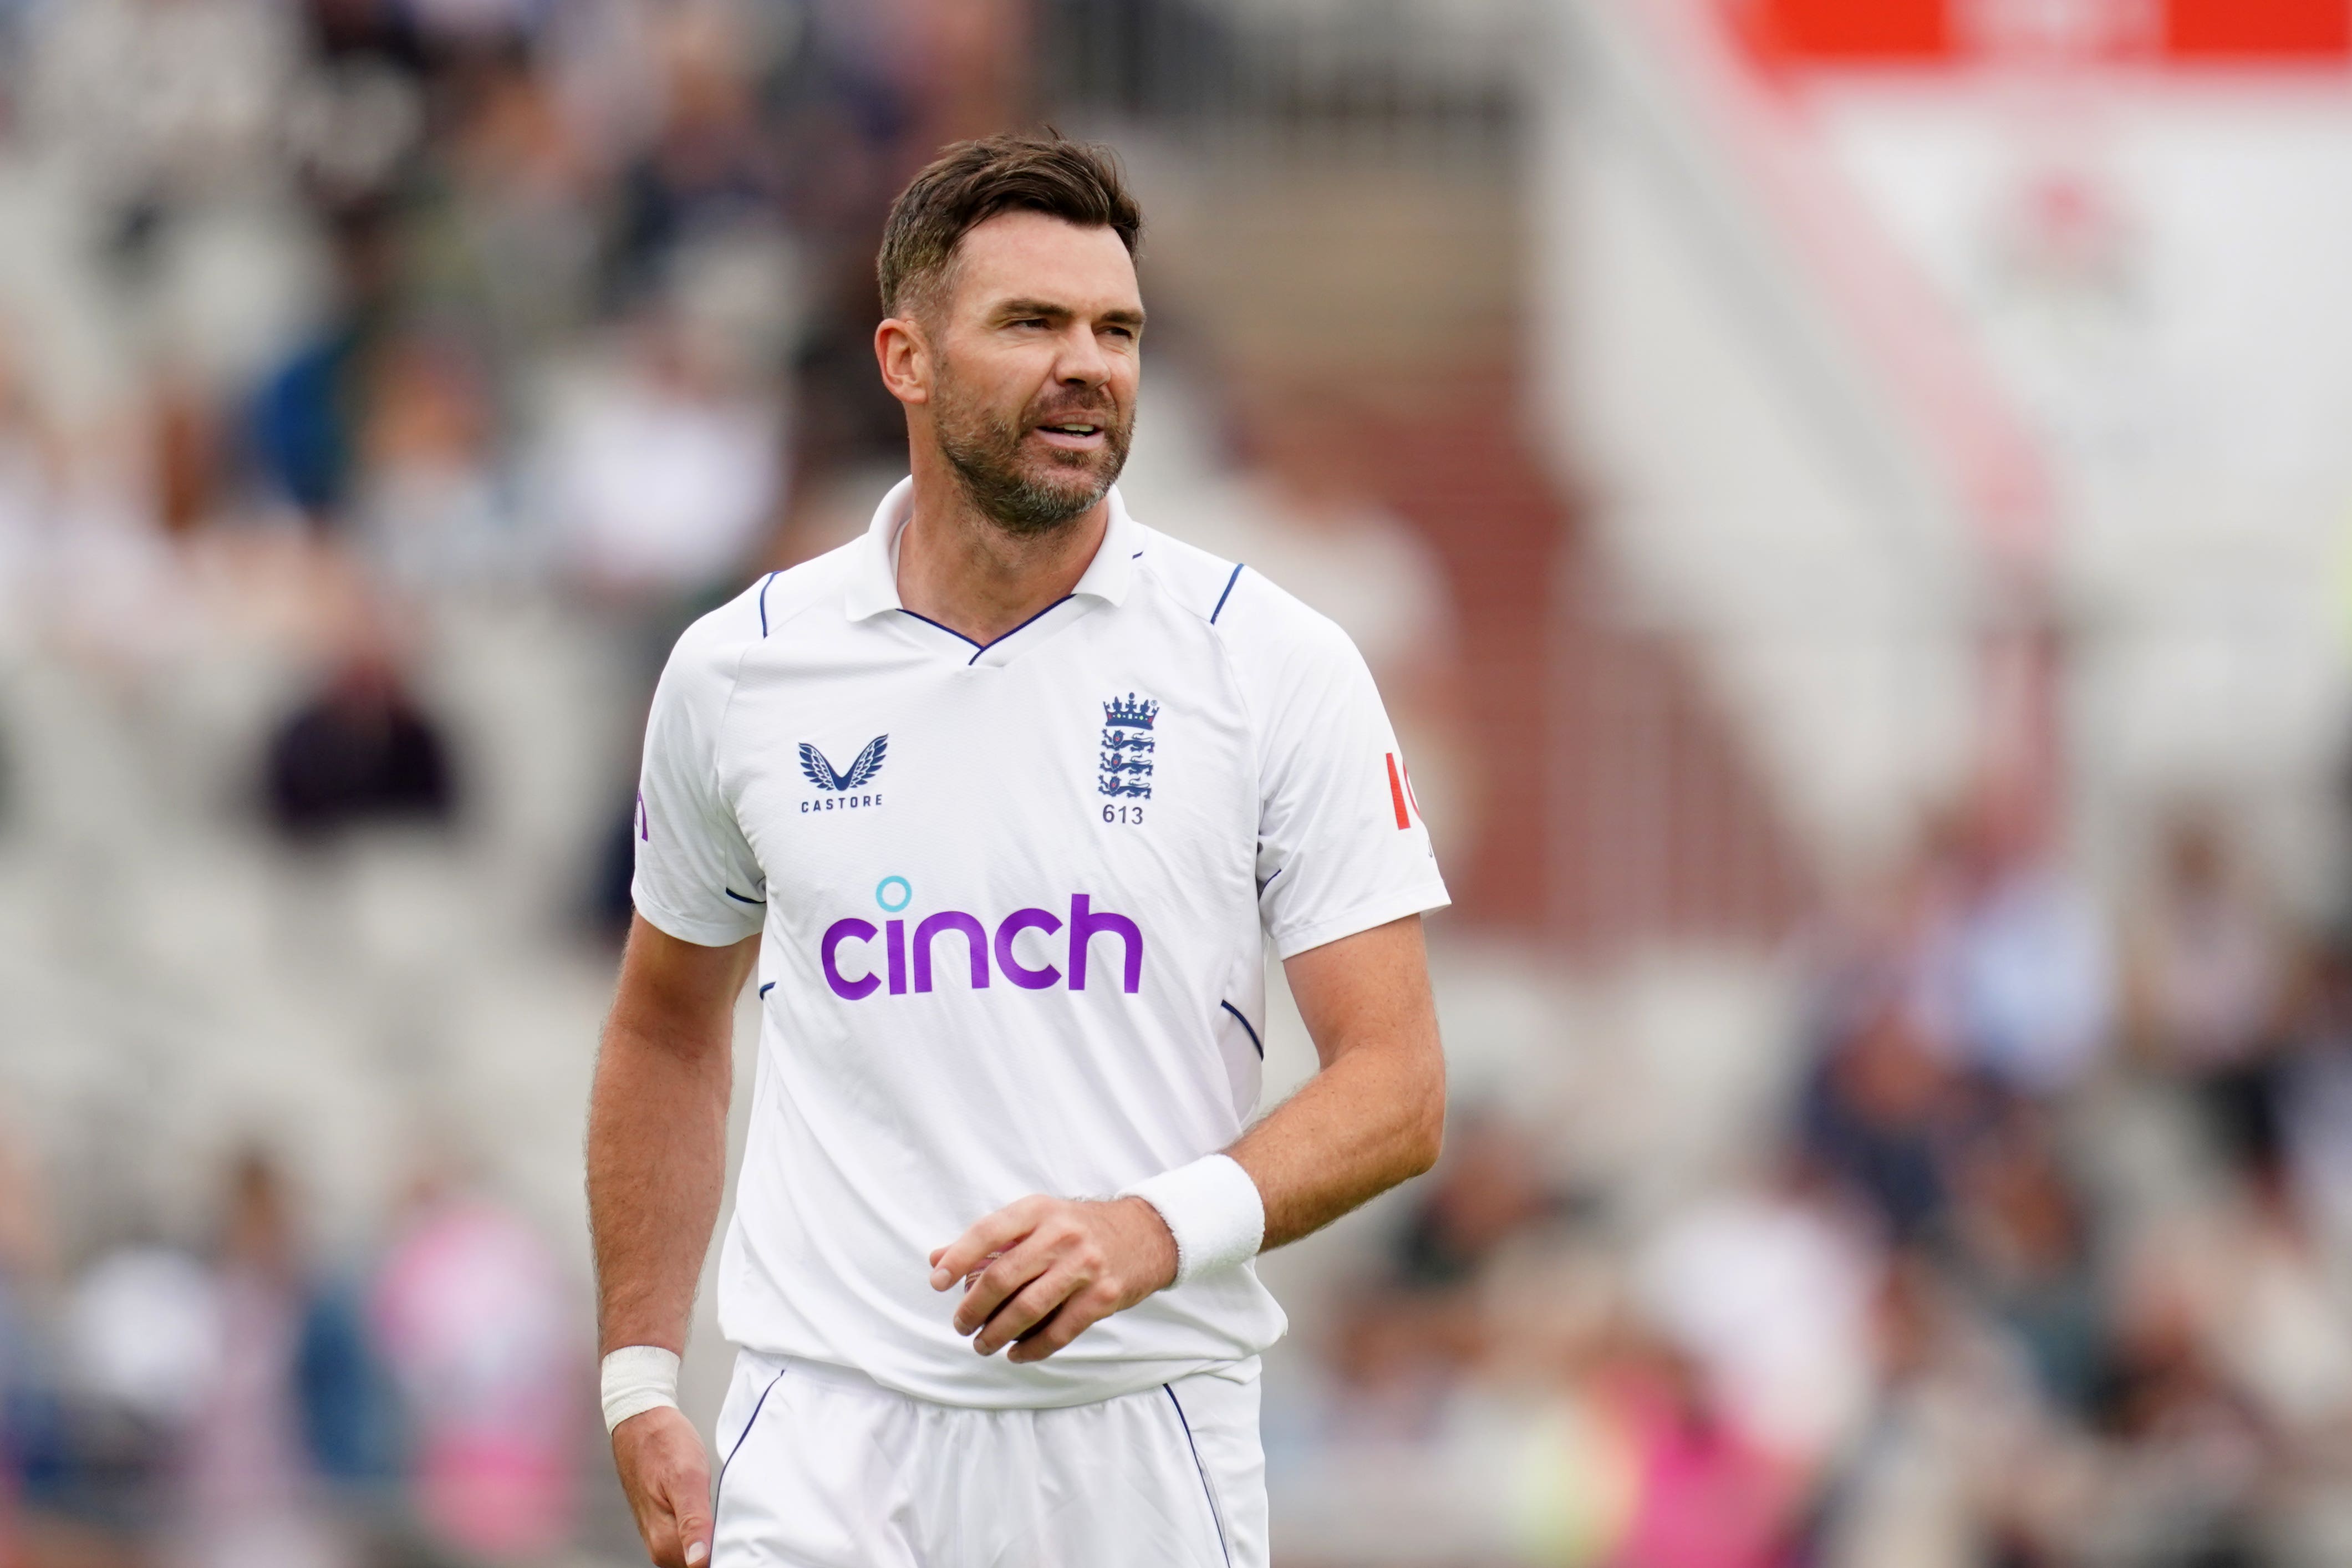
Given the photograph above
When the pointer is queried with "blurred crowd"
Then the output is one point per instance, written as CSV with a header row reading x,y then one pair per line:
x,y
2044,1260
314,310
246,1402
321,321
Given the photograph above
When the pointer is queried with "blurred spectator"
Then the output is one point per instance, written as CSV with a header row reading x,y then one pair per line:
x,y
2018,973
309,413
25,1401
2279,1327
1396,1361
1885,1113
1955,1466
2313,1099
26,477
512,219
187,448
1706,1492
2208,960
2025,1249
2209,975
708,163
1768,1292
144,1340
2189,1454
479,1326
360,749
659,471
1404,1338
249,1480
434,510
383,29
203,1392
1490,1189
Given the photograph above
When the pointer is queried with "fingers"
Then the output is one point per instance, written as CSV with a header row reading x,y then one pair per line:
x,y
677,1541
1003,1279
1040,1272
693,1516
1079,1312
677,1529
1024,1312
690,1510
995,1233
666,1476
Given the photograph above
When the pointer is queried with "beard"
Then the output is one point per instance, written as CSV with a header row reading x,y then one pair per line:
x,y
1029,494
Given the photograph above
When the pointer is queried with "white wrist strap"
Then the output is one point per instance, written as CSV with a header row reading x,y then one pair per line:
x,y
1212,1209
638,1378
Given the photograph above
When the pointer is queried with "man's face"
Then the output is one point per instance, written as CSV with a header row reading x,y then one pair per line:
x,y
1035,343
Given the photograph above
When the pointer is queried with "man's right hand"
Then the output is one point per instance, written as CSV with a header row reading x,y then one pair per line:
x,y
665,1472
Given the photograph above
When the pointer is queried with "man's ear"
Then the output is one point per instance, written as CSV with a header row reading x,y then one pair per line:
x,y
903,355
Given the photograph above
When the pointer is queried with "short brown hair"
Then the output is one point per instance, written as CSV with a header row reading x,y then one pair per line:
x,y
971,181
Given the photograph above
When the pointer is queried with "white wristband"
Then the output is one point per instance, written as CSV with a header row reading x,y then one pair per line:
x,y
1212,1209
638,1378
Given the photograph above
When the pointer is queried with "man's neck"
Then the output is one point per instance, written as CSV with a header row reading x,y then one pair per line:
x,y
960,569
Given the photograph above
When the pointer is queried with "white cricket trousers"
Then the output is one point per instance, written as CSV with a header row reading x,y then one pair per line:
x,y
822,1468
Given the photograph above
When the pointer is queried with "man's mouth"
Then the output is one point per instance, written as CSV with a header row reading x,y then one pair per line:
x,y
1072,434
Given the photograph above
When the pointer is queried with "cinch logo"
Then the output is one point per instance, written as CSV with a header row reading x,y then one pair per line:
x,y
1085,925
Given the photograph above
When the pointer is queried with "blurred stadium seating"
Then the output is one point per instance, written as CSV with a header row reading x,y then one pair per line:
x,y
1847,501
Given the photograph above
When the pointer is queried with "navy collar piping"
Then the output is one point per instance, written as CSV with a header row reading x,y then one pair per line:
x,y
981,647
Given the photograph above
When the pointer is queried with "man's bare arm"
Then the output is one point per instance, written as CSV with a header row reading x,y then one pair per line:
x,y
658,1131
1373,1116
657,1165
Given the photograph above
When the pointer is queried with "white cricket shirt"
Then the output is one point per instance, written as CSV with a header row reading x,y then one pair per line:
x,y
1012,901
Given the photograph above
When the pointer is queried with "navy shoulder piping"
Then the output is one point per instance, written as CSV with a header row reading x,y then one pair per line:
x,y
1226,595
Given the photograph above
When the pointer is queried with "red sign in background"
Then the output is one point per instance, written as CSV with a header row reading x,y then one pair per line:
x,y
1937,32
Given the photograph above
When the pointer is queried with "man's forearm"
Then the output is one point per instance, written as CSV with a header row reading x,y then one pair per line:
x,y
1370,1120
1375,1115
657,1165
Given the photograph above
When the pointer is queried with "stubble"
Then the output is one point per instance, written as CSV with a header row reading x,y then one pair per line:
x,y
1025,496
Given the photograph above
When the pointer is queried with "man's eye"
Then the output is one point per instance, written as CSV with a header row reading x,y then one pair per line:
x,y
1121,331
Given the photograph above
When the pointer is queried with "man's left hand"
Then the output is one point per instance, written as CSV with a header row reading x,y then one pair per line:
x,y
1050,1269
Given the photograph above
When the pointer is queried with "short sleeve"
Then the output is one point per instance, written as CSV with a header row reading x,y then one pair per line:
x,y
696,877
1342,846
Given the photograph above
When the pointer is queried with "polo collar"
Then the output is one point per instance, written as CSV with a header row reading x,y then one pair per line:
x,y
874,577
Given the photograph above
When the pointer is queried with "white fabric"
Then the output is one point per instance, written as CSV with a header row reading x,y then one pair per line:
x,y
981,977
825,1469
636,1379
1212,1209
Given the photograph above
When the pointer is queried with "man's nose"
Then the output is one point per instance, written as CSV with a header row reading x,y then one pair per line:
x,y
1083,361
